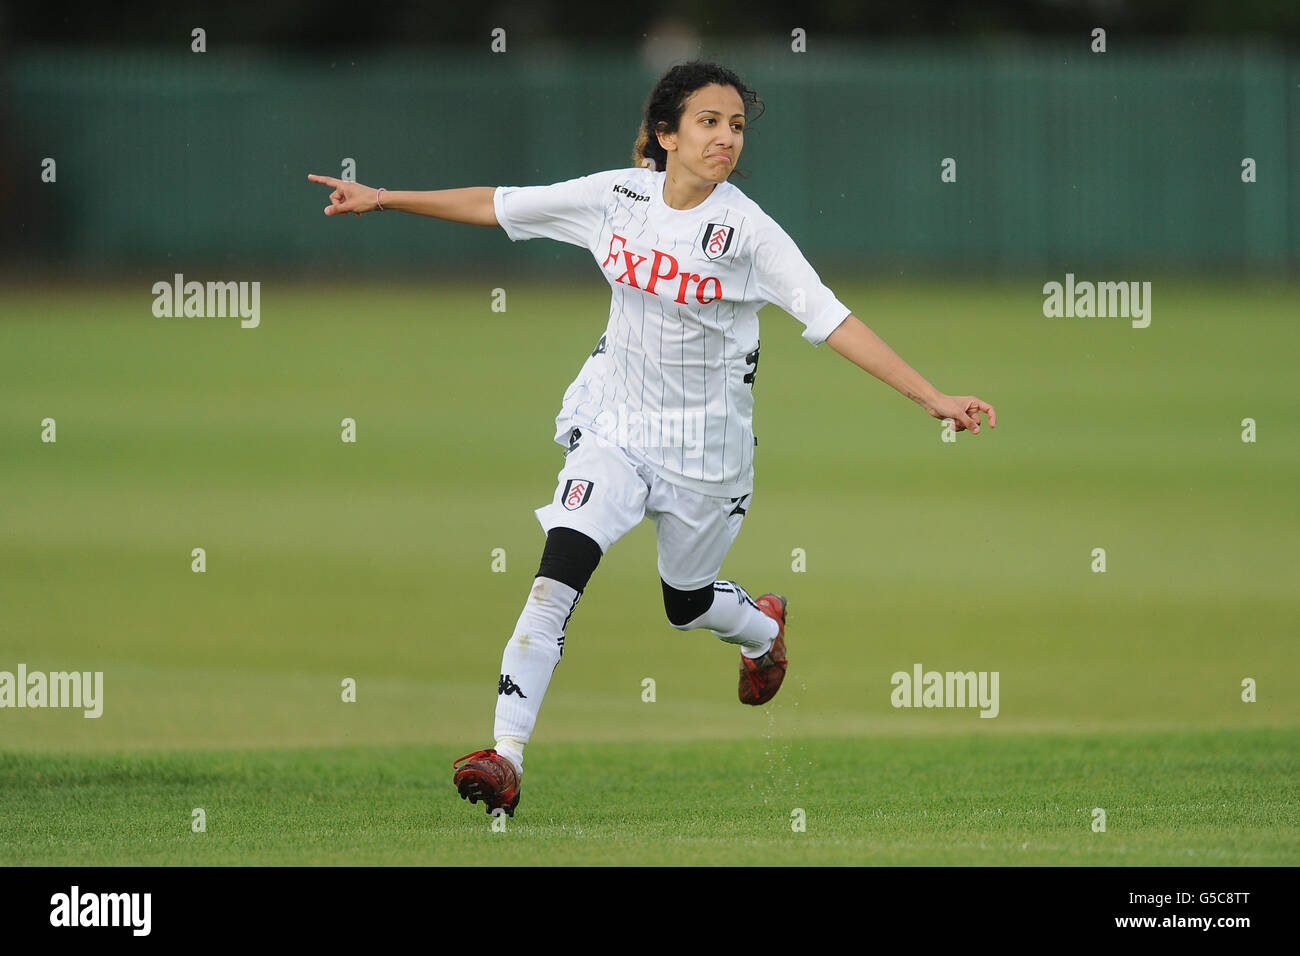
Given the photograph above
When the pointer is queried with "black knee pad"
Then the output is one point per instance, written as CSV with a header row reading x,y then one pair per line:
x,y
569,557
685,606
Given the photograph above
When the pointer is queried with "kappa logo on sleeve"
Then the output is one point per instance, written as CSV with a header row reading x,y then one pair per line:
x,y
576,493
717,240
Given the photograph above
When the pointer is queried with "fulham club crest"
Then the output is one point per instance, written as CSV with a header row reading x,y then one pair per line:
x,y
717,240
576,493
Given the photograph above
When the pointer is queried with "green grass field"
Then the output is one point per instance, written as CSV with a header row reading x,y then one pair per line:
x,y
373,561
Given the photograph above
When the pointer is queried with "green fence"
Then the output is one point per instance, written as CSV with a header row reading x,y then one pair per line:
x,y
1064,159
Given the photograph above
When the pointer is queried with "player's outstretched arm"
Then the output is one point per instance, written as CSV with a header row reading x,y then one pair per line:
x,y
472,204
868,351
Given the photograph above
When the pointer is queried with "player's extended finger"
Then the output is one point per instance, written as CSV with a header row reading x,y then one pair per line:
x,y
983,406
326,180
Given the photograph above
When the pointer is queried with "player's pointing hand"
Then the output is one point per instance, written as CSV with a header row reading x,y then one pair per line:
x,y
964,410
347,197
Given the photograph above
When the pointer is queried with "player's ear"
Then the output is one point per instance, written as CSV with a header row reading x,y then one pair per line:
x,y
666,140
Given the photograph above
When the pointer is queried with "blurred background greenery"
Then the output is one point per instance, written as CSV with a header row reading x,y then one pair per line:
x,y
329,560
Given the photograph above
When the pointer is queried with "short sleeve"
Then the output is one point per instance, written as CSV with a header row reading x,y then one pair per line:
x,y
787,280
571,211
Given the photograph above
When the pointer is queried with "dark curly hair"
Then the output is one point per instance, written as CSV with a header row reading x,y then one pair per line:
x,y
667,102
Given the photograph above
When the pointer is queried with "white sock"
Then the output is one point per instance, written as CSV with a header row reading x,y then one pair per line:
x,y
529,659
736,619
512,748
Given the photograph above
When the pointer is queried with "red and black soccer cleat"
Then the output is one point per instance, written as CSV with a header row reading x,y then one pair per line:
x,y
489,777
761,678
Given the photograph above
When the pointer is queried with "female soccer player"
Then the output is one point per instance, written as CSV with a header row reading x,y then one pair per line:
x,y
658,422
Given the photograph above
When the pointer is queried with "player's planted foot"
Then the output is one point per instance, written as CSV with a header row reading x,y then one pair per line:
x,y
490,777
761,677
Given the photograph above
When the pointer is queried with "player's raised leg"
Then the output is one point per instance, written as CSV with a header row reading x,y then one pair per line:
x,y
695,532
757,626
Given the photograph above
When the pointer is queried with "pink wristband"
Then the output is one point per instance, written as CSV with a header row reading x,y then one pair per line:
x,y
378,197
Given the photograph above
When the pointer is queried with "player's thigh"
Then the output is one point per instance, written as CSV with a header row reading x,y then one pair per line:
x,y
598,492
694,533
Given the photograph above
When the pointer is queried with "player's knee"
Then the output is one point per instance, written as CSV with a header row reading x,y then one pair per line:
x,y
569,557
685,607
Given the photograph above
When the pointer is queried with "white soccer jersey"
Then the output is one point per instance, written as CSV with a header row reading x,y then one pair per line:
x,y
672,376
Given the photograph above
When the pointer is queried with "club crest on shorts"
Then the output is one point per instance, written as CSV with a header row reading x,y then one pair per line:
x,y
576,493
717,239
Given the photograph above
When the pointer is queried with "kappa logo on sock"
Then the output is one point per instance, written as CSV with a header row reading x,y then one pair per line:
x,y
507,687
576,493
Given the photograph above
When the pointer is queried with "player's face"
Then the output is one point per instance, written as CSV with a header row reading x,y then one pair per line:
x,y
710,134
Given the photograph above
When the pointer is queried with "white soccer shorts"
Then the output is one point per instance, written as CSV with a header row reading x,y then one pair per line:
x,y
604,491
